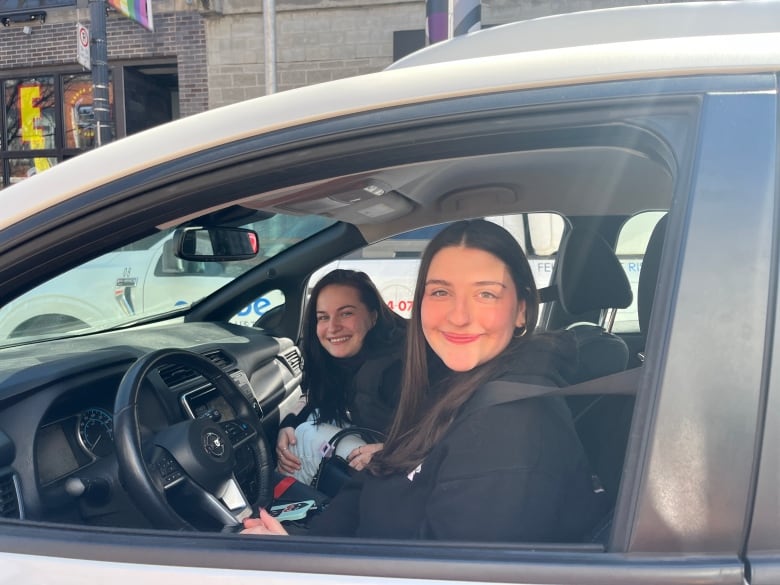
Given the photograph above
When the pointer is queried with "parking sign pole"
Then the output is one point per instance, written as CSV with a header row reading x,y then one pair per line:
x,y
100,104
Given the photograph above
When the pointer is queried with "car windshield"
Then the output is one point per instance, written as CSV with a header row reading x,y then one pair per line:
x,y
140,281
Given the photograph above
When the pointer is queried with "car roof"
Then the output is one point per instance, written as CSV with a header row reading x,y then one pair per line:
x,y
648,58
605,26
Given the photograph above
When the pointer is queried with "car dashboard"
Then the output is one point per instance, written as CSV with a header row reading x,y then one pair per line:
x,y
57,453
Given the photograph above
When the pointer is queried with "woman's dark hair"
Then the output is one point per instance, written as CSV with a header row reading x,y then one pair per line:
x,y
326,384
418,424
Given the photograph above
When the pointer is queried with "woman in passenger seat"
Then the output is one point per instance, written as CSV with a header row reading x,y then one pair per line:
x,y
352,345
453,468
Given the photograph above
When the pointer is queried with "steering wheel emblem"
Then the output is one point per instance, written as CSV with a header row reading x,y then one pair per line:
x,y
213,444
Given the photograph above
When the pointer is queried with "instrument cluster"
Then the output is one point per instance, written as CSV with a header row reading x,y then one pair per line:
x,y
72,442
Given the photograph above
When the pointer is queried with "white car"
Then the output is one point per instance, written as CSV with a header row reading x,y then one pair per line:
x,y
649,132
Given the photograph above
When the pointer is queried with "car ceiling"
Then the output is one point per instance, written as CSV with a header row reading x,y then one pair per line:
x,y
593,180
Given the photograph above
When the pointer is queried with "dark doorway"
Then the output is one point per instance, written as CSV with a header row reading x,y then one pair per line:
x,y
407,41
151,96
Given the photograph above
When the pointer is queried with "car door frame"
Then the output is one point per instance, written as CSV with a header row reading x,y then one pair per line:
x,y
637,528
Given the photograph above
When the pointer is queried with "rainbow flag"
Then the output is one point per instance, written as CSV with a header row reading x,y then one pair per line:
x,y
137,10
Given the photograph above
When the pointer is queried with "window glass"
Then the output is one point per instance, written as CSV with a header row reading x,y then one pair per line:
x,y
40,117
392,263
259,311
7,5
630,249
30,119
23,168
77,115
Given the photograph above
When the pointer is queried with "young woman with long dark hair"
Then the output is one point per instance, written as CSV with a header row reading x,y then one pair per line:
x,y
452,469
352,346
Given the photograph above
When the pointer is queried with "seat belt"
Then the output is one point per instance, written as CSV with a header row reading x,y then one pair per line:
x,y
500,391
496,392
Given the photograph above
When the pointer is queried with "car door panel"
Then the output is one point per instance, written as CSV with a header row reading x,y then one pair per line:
x,y
708,360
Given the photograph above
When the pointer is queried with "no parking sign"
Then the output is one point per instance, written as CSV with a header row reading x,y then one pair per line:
x,y
82,50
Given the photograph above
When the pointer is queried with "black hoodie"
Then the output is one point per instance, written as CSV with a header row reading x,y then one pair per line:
x,y
512,472
371,381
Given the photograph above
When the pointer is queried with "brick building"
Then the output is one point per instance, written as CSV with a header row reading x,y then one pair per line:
x,y
202,54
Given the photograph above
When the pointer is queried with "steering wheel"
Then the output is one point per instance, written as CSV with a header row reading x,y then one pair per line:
x,y
200,452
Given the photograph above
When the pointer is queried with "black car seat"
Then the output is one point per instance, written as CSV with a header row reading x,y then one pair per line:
x,y
590,279
604,424
648,279
617,411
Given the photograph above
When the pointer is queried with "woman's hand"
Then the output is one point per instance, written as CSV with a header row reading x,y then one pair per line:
x,y
360,457
288,463
265,524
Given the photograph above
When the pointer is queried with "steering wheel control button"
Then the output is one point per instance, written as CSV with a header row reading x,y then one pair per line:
x,y
169,471
237,431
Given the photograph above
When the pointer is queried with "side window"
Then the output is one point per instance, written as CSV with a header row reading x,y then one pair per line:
x,y
543,233
393,263
260,308
631,245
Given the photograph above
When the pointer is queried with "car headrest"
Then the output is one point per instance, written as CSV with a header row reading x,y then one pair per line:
x,y
648,275
589,274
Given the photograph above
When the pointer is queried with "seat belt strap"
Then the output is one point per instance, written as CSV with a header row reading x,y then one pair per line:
x,y
500,391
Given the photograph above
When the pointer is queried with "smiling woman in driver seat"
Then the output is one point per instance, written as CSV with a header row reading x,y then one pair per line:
x,y
453,469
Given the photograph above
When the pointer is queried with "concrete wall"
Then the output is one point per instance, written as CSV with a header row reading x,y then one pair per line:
x,y
315,42
322,40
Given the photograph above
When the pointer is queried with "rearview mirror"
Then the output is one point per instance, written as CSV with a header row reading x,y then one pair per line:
x,y
215,244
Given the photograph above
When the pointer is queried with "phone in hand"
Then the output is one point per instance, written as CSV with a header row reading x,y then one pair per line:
x,y
292,511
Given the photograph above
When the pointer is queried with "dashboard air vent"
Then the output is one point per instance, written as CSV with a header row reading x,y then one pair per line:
x,y
219,358
174,375
9,498
293,361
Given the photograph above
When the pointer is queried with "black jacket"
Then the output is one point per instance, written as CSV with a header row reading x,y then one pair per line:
x,y
511,472
373,380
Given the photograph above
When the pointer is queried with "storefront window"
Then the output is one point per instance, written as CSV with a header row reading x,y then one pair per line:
x,y
78,116
30,119
23,168
50,118
19,5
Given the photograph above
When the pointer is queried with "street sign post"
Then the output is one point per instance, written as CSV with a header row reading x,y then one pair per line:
x,y
82,46
100,93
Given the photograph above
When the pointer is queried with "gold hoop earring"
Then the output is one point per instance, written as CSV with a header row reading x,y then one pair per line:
x,y
519,332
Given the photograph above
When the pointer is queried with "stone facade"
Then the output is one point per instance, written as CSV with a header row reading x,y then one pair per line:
x,y
322,40
315,42
218,45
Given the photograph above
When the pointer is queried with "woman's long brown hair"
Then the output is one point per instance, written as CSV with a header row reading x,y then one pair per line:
x,y
421,420
326,386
